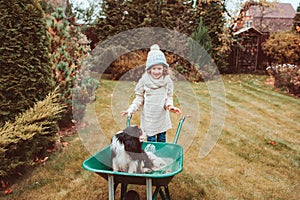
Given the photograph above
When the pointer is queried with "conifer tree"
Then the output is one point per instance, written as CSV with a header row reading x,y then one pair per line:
x,y
68,51
202,37
213,19
125,15
25,69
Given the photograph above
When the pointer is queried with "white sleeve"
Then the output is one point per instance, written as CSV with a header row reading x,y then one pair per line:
x,y
139,97
170,91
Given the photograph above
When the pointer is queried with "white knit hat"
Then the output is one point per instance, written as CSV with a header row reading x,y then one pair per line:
x,y
155,57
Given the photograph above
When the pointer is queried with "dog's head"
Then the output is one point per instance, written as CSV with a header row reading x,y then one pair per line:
x,y
131,139
135,131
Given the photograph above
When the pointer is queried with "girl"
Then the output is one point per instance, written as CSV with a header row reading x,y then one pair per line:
x,y
154,93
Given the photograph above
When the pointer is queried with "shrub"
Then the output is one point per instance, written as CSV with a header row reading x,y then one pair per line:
x,y
26,75
286,76
282,47
29,135
131,66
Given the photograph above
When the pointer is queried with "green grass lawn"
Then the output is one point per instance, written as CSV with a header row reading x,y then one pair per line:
x,y
256,157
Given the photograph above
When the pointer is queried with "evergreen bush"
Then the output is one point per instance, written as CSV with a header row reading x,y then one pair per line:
x,y
29,135
25,72
126,15
69,48
181,16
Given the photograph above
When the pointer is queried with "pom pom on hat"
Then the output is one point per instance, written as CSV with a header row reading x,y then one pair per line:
x,y
154,47
155,57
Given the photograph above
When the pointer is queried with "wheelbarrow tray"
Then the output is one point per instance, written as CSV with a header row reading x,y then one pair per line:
x,y
100,163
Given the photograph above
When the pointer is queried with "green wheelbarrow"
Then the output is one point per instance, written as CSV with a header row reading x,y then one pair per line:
x,y
100,163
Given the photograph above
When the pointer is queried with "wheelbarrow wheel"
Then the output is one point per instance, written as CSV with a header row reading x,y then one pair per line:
x,y
123,189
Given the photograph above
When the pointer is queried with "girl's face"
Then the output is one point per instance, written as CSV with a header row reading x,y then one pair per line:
x,y
156,71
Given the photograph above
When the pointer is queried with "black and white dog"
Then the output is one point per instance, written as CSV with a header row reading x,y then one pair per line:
x,y
127,154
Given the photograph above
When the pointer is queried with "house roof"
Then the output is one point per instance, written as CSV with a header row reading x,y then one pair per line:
x,y
280,10
245,29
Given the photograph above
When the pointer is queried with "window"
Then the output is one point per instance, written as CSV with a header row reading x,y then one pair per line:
x,y
248,23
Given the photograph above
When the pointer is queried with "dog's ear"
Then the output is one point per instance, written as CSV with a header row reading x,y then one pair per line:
x,y
133,145
133,131
121,137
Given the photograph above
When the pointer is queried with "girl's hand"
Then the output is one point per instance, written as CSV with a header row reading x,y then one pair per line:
x,y
174,110
123,113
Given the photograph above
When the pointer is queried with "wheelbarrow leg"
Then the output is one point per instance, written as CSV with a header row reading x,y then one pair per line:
x,y
149,188
111,191
157,189
162,195
167,192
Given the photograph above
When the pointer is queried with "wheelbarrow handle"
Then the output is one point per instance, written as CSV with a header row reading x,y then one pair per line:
x,y
128,120
178,129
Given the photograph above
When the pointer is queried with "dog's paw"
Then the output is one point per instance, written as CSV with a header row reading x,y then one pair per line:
x,y
146,170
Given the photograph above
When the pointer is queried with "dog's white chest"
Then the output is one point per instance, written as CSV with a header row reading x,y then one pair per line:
x,y
120,161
